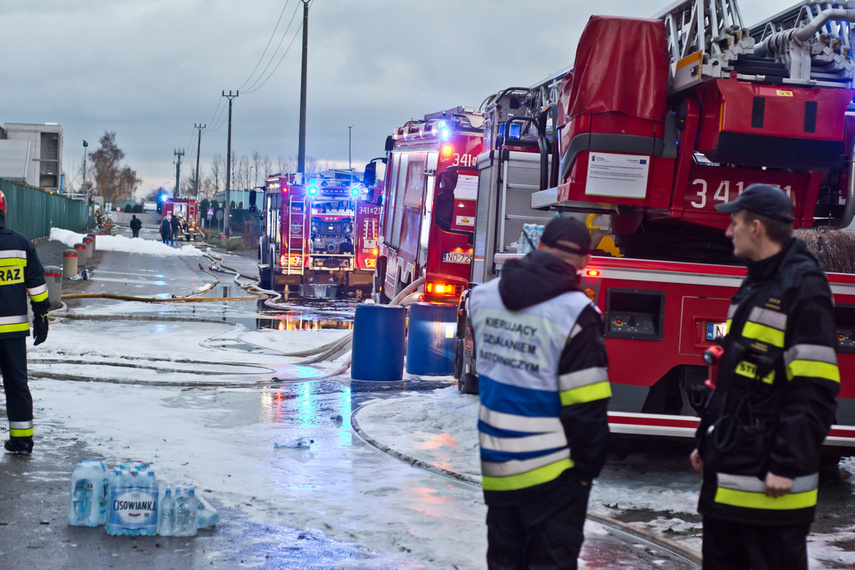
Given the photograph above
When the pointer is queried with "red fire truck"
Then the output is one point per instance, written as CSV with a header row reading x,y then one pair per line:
x,y
658,121
319,232
429,211
187,209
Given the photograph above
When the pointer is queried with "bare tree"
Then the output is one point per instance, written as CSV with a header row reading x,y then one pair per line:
x,y
243,174
266,167
256,173
287,165
114,181
218,170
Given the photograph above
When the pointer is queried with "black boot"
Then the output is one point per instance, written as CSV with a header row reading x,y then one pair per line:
x,y
19,445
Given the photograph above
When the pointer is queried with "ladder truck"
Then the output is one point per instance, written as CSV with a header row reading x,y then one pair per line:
x,y
657,122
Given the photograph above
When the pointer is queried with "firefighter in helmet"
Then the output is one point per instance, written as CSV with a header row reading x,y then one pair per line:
x,y
21,275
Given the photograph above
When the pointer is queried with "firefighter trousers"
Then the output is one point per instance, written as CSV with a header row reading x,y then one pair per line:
x,y
543,534
737,546
19,402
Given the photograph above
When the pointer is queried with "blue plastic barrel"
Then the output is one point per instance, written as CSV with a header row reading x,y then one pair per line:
x,y
378,343
431,339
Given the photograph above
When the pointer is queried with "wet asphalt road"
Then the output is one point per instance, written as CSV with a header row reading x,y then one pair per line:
x,y
34,490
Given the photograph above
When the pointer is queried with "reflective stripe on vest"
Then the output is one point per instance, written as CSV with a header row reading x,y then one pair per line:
x,y
14,324
38,293
750,493
529,479
584,386
766,326
21,429
518,466
526,444
526,424
812,360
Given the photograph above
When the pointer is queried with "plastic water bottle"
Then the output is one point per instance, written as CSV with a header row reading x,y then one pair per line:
x,y
166,514
206,515
303,442
132,509
185,512
88,494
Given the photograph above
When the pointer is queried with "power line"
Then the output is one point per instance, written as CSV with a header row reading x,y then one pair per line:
x,y
253,87
296,33
272,35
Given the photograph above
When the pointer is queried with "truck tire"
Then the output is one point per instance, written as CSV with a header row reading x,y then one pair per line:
x,y
468,384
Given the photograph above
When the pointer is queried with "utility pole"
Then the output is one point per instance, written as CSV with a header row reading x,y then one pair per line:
x,y
198,150
301,152
83,186
228,211
349,131
179,154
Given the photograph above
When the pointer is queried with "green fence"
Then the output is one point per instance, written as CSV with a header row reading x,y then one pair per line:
x,y
33,211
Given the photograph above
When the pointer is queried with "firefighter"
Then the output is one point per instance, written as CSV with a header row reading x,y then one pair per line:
x,y
758,443
21,275
544,391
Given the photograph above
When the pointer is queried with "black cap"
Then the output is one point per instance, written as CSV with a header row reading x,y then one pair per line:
x,y
567,229
763,199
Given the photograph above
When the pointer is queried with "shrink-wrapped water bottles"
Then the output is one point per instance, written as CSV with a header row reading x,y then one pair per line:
x,y
132,507
166,514
88,494
529,243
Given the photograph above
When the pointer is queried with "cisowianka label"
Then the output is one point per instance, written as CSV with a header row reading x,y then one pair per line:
x,y
133,507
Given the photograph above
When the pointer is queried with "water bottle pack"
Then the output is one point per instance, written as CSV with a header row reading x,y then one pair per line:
x,y
89,487
132,507
130,502
177,516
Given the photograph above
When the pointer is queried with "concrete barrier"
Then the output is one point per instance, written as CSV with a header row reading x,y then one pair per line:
x,y
53,277
89,242
69,262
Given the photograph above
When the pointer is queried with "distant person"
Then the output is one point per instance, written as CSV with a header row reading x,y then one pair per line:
x,y
165,230
544,389
176,225
136,224
761,431
21,276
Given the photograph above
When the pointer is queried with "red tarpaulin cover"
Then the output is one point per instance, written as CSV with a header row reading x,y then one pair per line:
x,y
621,66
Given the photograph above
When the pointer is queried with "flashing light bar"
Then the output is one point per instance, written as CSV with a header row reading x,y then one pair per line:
x,y
435,288
444,131
312,191
447,150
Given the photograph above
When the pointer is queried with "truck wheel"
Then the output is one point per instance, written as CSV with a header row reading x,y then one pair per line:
x,y
458,359
468,384
265,280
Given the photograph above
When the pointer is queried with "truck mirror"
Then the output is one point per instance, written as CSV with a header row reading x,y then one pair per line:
x,y
252,198
369,177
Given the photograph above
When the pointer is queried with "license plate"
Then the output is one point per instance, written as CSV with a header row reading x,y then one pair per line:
x,y
715,330
456,257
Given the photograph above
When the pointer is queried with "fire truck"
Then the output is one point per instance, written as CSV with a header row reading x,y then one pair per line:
x,y
657,122
321,231
429,190
186,209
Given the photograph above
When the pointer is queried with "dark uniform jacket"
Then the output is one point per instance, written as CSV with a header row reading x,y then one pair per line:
x,y
542,382
775,398
21,275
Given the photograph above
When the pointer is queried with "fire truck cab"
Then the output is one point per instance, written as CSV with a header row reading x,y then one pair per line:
x,y
321,231
429,205
186,209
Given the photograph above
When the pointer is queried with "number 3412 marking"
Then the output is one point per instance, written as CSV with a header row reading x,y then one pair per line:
x,y
722,192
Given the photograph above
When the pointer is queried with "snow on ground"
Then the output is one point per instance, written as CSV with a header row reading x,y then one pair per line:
x,y
440,428
124,244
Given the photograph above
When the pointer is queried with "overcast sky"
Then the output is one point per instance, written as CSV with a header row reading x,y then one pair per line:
x,y
151,69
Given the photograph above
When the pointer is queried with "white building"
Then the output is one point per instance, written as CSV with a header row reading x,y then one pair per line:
x,y
31,154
